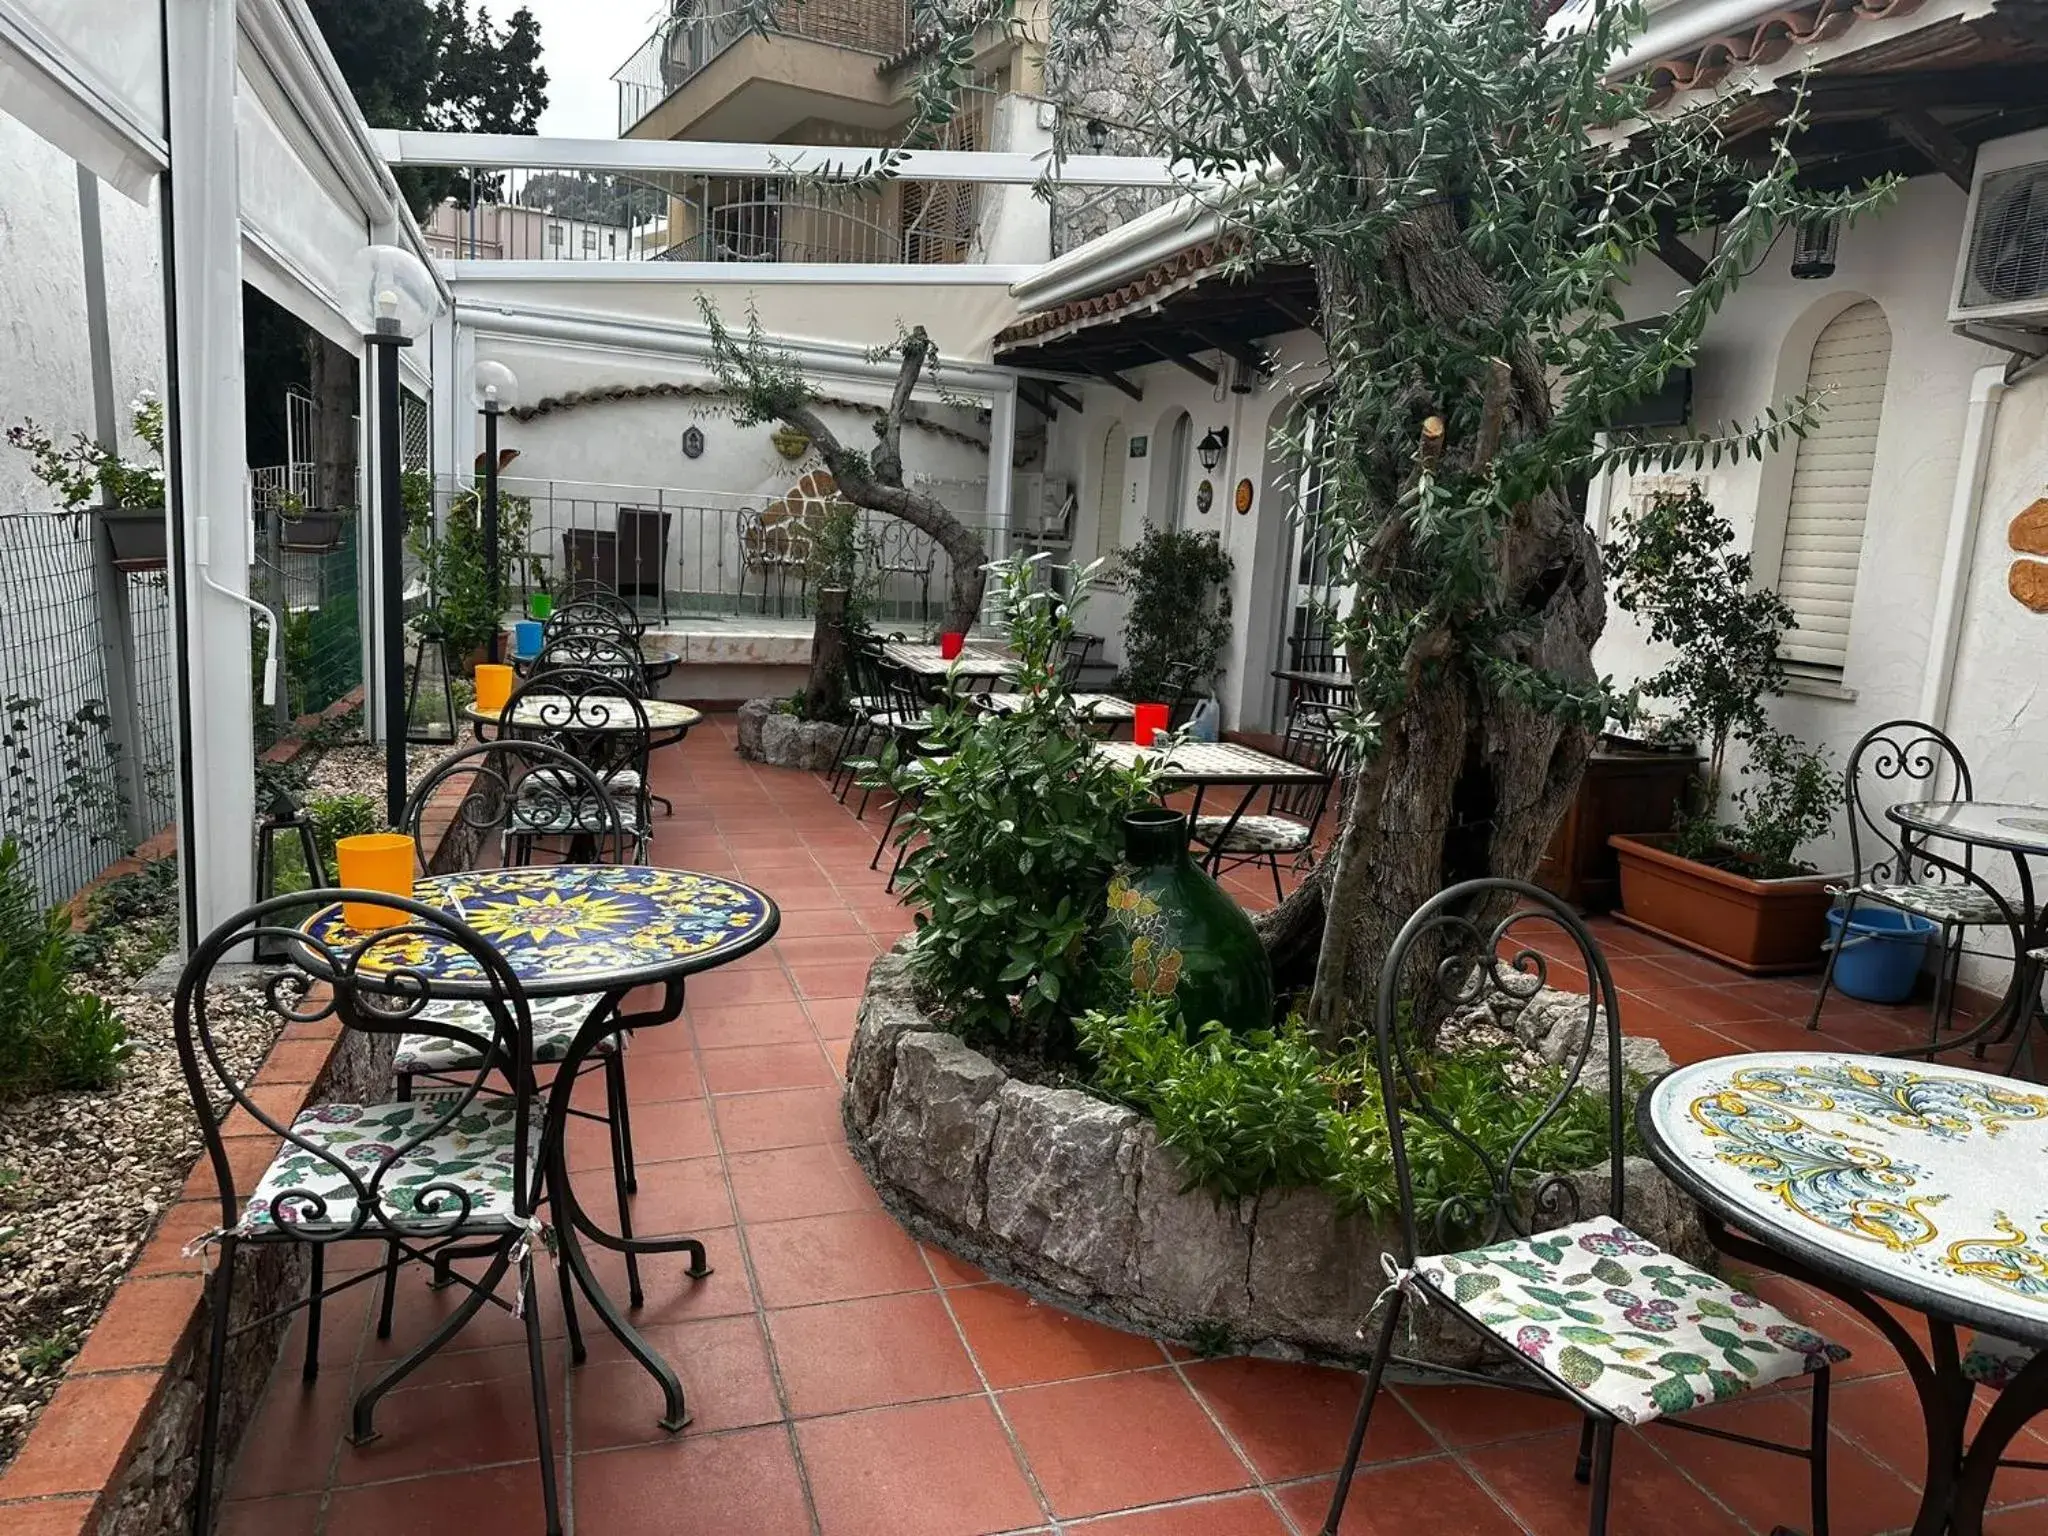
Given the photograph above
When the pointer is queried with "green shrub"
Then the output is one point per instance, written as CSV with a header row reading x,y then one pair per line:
x,y
1021,823
131,922
345,815
1179,611
52,1035
1272,1110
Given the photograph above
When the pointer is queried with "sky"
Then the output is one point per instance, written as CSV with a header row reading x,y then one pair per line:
x,y
582,42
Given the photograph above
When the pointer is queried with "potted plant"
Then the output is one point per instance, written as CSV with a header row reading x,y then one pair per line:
x,y
465,607
303,530
1735,891
1638,781
131,494
1178,583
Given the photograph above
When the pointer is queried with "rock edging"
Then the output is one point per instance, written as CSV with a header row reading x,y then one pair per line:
x,y
1075,1200
768,735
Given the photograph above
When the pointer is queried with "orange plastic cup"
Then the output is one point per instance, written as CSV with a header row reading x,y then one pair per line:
x,y
493,688
374,861
1148,720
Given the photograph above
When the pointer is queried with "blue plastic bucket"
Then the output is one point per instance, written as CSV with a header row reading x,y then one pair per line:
x,y
1881,958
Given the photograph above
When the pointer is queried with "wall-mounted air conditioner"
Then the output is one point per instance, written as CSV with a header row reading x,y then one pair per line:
x,y
2002,269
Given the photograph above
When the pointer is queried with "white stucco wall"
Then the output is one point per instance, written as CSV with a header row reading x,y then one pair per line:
x,y
1257,542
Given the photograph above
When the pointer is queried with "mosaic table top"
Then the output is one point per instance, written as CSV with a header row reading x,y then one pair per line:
x,y
546,712
1918,1181
2017,828
1210,762
981,660
1097,706
576,927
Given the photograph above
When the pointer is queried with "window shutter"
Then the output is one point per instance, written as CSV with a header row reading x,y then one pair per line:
x,y
1831,486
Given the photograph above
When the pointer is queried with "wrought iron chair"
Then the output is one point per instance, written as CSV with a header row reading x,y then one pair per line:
x,y
1293,812
1894,872
487,782
591,616
1594,1313
1074,653
422,1176
774,542
1182,694
594,650
601,722
866,698
594,598
897,549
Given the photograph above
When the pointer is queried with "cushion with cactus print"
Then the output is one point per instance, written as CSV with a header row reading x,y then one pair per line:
x,y
1954,902
1994,1362
1629,1328
1252,834
555,1022
422,1191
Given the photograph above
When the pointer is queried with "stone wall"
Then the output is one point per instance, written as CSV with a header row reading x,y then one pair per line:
x,y
767,735
1074,1199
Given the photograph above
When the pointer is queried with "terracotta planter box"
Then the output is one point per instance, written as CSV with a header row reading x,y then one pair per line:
x,y
1762,927
1626,790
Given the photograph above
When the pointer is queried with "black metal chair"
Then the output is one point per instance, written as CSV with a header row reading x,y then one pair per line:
x,y
586,603
1890,869
601,721
422,1176
1074,653
1182,694
1594,1313
865,699
1293,812
897,549
488,782
594,650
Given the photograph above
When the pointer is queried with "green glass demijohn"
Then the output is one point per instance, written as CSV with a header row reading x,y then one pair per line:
x,y
1173,933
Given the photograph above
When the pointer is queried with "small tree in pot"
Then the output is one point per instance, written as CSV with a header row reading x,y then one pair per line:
x,y
1674,567
1179,614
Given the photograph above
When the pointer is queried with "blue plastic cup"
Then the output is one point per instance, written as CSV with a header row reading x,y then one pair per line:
x,y
526,638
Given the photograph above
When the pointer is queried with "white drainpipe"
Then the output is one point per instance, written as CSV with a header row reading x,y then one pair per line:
x,y
1953,590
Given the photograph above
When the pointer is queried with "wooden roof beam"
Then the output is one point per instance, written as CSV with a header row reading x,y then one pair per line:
x,y
1942,149
1111,376
1243,351
1677,255
1181,358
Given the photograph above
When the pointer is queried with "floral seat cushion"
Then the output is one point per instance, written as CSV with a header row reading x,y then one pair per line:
x,y
555,1022
1628,1327
543,812
472,1154
621,781
1956,902
1252,834
1993,1362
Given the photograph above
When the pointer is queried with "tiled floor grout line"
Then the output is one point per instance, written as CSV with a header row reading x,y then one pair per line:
x,y
988,1391
1258,1478
760,1306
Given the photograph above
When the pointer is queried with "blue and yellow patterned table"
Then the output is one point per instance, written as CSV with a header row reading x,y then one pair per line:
x,y
1870,1177
569,928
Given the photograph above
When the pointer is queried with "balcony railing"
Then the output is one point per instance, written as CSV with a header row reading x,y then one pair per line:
x,y
685,43
543,214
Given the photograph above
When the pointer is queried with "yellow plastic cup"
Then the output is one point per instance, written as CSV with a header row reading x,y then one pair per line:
x,y
374,861
493,688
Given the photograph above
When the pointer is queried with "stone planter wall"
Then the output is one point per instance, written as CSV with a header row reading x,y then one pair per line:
x,y
1075,1200
767,735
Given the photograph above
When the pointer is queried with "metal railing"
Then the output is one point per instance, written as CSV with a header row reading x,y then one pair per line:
x,y
698,31
1083,213
539,213
681,554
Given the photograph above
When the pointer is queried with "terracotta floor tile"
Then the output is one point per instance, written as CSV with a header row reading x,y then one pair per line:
x,y
1120,1442
294,1516
452,1428
1022,1342
929,1469
739,1484
1533,1478
681,1197
654,1076
741,1024
870,1353
662,1132
1463,1417
834,1258
502,1499
1712,1006
833,1016
1865,1496
297,1431
70,1517
833,978
722,1363
795,1117
759,1068
1411,1497
1238,1514
673,1296
950,1270
1295,1420
819,923
835,949
799,1181
717,988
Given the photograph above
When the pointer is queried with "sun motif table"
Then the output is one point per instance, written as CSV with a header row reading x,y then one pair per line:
x,y
1869,1178
2020,831
571,929
1203,765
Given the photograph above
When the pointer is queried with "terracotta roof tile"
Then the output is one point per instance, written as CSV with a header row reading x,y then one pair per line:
x,y
1178,271
1766,40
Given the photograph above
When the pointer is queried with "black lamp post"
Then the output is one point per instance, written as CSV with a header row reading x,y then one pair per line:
x,y
496,390
403,302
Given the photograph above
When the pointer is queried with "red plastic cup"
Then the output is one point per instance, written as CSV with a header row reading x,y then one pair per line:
x,y
1149,722
951,644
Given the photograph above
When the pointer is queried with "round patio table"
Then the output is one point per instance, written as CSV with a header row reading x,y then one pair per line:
x,y
538,713
569,929
1868,1178
2020,831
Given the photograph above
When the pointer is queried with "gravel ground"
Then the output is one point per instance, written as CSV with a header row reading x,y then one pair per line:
x,y
84,1176
83,1179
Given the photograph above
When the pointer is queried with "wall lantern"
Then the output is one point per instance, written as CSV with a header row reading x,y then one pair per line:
x,y
1210,449
1098,134
693,442
287,860
1813,247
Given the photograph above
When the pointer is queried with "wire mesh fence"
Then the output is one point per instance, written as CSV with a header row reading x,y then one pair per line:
x,y
152,652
